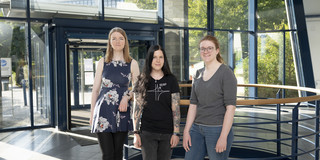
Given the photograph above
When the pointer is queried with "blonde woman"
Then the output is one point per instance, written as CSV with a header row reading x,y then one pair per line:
x,y
110,107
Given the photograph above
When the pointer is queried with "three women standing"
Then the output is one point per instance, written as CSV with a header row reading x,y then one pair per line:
x,y
110,107
212,106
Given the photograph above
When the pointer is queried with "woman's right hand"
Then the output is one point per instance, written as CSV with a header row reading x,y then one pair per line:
x,y
137,141
186,141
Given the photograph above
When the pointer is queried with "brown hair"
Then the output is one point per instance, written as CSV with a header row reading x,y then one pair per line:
x,y
215,41
109,53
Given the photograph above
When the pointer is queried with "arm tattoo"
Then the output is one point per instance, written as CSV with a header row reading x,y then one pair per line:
x,y
176,110
137,113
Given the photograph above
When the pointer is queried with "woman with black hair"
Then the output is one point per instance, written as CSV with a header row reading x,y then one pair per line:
x,y
157,99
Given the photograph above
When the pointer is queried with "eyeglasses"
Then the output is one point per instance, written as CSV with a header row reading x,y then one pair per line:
x,y
209,49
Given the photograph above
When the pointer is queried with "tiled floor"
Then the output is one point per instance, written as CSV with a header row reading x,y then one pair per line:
x,y
51,144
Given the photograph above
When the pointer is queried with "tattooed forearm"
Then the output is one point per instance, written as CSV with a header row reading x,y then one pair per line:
x,y
176,111
137,110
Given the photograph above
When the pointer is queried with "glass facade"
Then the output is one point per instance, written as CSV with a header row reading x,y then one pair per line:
x,y
231,14
78,9
41,74
175,51
265,52
15,97
271,15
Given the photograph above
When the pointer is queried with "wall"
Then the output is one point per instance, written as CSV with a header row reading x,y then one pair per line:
x,y
313,27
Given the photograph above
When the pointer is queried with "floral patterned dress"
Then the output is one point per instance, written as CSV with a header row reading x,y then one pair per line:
x,y
116,78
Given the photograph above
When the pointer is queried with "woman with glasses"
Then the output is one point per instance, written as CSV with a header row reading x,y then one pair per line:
x,y
208,128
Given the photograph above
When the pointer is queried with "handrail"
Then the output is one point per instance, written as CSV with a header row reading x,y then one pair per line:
x,y
268,101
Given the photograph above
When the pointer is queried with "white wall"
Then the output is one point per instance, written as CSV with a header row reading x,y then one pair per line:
x,y
313,28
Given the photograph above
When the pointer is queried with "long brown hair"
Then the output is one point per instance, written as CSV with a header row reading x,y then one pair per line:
x,y
215,41
109,53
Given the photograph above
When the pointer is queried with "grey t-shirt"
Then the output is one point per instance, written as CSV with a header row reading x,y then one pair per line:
x,y
212,96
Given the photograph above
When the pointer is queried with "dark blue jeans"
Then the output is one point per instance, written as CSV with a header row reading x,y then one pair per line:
x,y
204,140
155,146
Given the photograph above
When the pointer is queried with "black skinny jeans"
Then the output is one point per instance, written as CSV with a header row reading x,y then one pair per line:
x,y
111,144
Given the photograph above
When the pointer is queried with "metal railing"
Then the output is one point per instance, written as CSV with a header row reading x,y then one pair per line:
x,y
285,140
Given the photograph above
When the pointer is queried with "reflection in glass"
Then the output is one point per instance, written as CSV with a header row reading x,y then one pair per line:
x,y
290,78
174,41
14,97
78,9
41,76
271,15
241,61
231,14
176,13
270,62
223,40
131,10
197,13
13,8
195,62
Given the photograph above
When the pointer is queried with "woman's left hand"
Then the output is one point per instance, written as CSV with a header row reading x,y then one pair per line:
x,y
174,140
123,104
221,145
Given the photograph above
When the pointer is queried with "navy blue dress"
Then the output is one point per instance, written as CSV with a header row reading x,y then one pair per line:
x,y
116,78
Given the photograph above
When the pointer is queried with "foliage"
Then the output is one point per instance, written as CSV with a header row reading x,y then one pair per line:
x,y
233,15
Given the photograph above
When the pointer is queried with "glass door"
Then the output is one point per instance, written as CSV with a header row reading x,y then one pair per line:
x,y
83,58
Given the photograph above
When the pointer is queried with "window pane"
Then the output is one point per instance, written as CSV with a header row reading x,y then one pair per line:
x,y
175,51
270,62
41,76
131,10
241,61
197,13
175,13
78,9
271,15
13,8
223,41
231,14
14,106
195,62
290,68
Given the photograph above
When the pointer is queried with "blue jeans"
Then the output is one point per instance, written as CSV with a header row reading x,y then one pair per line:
x,y
204,140
155,146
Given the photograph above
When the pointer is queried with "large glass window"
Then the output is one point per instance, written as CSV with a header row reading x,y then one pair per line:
x,y
175,51
290,78
14,95
191,13
241,61
223,39
41,76
78,9
271,15
195,62
270,62
13,8
197,13
231,14
175,13
131,10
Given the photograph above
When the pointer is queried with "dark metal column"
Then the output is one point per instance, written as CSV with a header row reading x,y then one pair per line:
x,y
306,72
30,65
